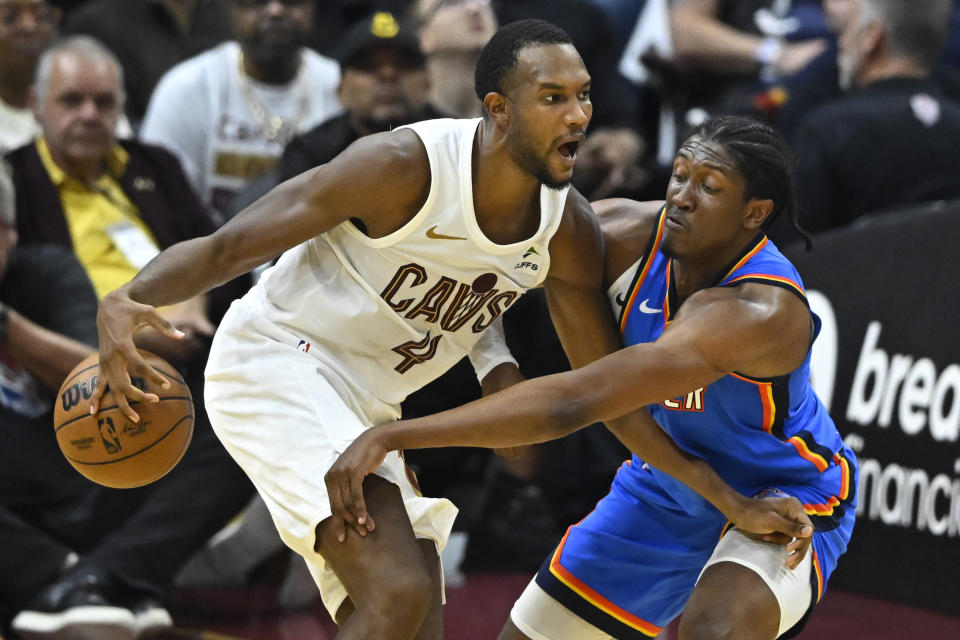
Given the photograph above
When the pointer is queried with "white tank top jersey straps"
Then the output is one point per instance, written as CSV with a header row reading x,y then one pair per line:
x,y
388,315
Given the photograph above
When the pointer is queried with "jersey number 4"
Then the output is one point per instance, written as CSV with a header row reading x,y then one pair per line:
x,y
416,352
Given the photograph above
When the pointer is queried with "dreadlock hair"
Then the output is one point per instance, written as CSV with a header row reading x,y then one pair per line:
x,y
499,56
762,157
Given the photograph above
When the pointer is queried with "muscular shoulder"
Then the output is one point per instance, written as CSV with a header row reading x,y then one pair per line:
x,y
398,158
576,250
386,176
626,226
399,149
756,329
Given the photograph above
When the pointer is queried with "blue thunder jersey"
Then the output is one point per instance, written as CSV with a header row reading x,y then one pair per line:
x,y
757,434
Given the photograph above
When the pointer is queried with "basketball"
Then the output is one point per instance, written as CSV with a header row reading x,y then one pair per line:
x,y
108,448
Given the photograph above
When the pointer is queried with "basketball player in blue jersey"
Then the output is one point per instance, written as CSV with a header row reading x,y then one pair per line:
x,y
718,334
398,257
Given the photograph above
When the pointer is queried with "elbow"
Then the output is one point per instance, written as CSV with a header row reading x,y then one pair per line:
x,y
226,256
569,412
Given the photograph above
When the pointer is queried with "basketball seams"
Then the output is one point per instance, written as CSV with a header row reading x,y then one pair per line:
x,y
77,373
161,437
57,429
140,451
175,378
171,376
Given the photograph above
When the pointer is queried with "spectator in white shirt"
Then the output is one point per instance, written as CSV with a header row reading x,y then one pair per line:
x,y
228,112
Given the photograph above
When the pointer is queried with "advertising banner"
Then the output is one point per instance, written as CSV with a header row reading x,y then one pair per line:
x,y
887,364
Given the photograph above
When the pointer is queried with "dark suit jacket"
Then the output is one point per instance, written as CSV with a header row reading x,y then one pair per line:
x,y
153,180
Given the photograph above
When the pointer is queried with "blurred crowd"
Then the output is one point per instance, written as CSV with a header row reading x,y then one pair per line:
x,y
127,126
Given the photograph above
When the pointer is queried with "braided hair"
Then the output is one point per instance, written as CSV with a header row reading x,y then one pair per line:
x,y
763,158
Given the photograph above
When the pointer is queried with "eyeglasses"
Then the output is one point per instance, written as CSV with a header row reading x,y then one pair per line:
x,y
260,4
13,12
448,4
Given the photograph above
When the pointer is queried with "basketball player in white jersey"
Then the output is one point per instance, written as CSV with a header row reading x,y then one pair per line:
x,y
400,254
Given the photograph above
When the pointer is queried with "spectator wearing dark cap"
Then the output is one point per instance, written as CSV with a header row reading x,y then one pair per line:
x,y
384,84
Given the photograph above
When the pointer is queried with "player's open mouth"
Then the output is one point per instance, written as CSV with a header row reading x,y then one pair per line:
x,y
568,150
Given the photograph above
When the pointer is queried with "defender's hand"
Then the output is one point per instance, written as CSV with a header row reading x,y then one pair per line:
x,y
345,483
118,317
778,520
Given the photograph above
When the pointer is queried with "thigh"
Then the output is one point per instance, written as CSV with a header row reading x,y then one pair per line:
x,y
284,424
538,616
731,600
433,626
658,554
391,554
746,587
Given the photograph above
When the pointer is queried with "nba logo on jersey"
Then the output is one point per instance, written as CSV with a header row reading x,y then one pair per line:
x,y
303,345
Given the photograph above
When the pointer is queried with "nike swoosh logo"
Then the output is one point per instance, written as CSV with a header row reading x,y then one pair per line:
x,y
647,309
432,233
621,300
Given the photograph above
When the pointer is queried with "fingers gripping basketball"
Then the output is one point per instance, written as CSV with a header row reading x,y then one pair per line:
x,y
107,447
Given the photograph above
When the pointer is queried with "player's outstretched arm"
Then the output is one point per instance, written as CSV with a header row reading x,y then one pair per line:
x,y
716,333
381,179
687,356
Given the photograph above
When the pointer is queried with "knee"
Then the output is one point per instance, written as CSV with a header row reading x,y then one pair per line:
x,y
412,590
703,625
401,603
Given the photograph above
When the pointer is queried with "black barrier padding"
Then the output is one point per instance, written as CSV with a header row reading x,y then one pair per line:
x,y
892,283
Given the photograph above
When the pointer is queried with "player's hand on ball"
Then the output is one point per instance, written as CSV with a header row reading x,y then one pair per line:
x,y
118,317
779,520
345,483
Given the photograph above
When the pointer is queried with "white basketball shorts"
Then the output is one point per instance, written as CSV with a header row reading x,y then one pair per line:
x,y
285,417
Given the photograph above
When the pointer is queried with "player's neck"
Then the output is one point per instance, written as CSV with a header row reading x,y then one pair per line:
x,y
690,277
506,198
693,273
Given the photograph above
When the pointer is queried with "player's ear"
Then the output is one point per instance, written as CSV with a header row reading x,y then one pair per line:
x,y
757,211
496,105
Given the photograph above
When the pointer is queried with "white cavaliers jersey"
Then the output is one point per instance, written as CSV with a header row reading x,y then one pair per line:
x,y
388,315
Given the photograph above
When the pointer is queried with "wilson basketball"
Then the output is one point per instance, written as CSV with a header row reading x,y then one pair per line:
x,y
110,449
